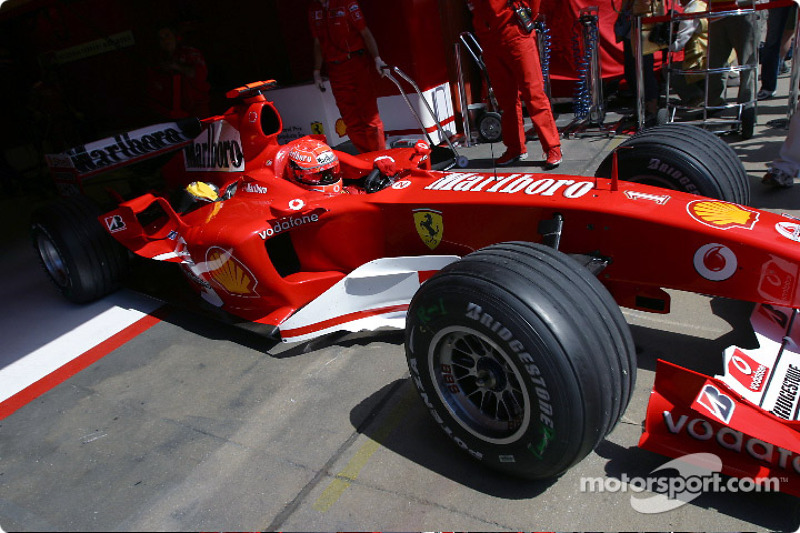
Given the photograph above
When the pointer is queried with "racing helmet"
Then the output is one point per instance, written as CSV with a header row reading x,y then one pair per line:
x,y
314,166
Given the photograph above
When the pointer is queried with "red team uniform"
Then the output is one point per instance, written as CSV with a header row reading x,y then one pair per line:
x,y
512,62
351,70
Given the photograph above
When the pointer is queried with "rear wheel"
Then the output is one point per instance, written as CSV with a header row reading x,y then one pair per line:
x,y
79,256
682,157
522,357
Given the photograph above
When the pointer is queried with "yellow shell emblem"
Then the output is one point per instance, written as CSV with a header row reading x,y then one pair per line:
x,y
230,274
430,226
722,215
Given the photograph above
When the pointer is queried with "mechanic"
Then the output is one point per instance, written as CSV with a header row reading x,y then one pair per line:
x,y
183,64
692,38
729,34
510,51
623,30
348,48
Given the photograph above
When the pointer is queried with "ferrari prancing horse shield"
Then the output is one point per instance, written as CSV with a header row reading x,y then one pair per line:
x,y
430,226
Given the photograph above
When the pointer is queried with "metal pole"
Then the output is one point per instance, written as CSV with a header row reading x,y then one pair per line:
x,y
636,50
462,96
598,113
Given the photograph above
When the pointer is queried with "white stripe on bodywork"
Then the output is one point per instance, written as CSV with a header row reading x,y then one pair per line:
x,y
379,284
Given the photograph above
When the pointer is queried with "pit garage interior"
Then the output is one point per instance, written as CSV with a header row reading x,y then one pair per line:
x,y
135,413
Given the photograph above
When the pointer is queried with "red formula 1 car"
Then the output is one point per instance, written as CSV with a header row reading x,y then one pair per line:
x,y
509,286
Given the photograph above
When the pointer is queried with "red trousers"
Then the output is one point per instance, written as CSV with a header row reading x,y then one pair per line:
x,y
353,83
512,62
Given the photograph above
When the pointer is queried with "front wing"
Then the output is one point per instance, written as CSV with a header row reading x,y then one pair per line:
x,y
748,416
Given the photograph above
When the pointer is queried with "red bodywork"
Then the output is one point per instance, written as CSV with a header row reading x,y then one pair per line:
x,y
308,263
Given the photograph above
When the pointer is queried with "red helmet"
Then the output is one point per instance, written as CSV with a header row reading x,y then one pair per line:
x,y
313,165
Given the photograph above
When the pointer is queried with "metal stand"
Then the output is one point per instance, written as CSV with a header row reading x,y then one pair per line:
x,y
589,107
462,97
459,160
702,115
488,121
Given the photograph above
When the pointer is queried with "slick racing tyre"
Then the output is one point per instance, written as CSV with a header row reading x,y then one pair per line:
x,y
682,157
521,356
78,255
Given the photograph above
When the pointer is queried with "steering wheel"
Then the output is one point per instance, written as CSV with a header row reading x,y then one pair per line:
x,y
376,181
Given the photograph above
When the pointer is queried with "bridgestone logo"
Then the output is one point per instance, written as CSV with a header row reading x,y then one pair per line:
x,y
475,312
511,184
787,394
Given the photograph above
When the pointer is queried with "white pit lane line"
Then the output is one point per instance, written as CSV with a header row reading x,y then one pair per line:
x,y
102,320
42,331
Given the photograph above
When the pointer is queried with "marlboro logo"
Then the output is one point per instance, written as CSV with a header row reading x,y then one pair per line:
x,y
126,147
219,148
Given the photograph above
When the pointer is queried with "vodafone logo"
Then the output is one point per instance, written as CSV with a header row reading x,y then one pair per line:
x,y
715,262
399,185
747,371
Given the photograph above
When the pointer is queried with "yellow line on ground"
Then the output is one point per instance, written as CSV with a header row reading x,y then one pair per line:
x,y
350,472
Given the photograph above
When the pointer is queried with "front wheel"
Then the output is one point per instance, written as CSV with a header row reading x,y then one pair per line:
x,y
521,356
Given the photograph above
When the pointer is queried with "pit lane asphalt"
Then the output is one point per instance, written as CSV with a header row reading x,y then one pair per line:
x,y
196,426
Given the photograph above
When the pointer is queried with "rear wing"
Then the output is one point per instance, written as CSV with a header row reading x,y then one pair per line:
x,y
70,169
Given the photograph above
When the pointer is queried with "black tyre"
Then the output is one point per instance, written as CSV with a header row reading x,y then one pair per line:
x,y
490,127
662,116
682,157
748,123
77,253
522,357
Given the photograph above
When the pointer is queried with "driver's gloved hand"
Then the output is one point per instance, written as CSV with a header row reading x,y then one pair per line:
x,y
384,168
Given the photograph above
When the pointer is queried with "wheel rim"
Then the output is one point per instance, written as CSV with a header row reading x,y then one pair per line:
x,y
490,129
53,262
479,384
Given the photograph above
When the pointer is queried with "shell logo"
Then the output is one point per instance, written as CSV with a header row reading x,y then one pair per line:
x,y
722,215
340,127
230,274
